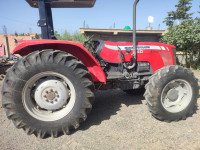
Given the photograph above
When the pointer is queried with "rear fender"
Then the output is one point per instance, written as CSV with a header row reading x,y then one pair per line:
x,y
76,49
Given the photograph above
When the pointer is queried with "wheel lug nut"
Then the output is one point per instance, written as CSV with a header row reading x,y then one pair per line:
x,y
47,92
51,90
58,96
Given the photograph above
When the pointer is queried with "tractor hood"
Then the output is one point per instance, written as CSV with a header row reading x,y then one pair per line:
x,y
65,3
157,54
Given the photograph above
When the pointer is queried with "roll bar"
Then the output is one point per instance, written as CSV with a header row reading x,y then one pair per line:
x,y
46,20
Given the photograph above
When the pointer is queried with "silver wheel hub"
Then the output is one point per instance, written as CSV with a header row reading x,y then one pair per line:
x,y
51,95
48,96
172,95
176,95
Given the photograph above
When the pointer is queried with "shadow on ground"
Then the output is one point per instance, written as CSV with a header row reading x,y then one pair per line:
x,y
107,103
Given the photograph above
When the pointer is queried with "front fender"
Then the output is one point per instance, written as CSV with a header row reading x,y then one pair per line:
x,y
76,49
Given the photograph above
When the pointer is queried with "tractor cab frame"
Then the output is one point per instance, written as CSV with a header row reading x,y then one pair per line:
x,y
46,20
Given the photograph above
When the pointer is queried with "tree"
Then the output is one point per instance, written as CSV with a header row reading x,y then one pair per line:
x,y
186,38
57,35
181,13
37,36
198,18
66,36
16,34
76,36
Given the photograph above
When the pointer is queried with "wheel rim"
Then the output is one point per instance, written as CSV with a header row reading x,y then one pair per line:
x,y
48,96
176,95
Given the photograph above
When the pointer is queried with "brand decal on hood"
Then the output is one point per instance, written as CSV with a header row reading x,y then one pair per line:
x,y
139,47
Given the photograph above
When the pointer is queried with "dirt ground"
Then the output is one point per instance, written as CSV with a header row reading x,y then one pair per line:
x,y
117,121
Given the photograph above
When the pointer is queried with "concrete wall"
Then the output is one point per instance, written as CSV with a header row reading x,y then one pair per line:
x,y
121,35
12,40
124,38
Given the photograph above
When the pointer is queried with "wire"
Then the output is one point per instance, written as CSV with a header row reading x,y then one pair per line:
x,y
121,57
22,22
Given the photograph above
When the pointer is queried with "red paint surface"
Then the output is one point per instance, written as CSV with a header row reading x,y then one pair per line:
x,y
76,49
157,58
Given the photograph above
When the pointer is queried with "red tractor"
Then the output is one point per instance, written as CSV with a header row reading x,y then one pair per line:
x,y
51,89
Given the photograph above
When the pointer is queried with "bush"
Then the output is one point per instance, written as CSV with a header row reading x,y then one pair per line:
x,y
76,36
186,38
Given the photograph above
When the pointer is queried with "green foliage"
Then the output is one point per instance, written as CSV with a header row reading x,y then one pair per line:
x,y
23,34
181,13
57,35
38,36
76,36
198,18
186,37
16,34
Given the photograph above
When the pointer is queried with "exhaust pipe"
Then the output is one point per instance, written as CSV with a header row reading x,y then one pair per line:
x,y
134,38
134,33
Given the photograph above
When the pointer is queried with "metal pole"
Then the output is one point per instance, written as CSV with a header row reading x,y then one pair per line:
x,y
43,19
134,30
50,21
7,48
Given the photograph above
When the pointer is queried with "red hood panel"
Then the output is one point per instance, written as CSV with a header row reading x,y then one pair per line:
x,y
159,54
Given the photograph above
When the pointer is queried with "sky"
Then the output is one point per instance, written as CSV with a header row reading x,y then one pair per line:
x,y
19,17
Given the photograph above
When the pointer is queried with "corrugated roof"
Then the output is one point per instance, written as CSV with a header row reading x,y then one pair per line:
x,y
65,3
122,31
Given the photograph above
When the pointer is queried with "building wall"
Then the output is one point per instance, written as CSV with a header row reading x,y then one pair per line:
x,y
121,35
12,40
124,38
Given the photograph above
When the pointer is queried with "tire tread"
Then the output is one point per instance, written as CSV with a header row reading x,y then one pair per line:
x,y
47,56
152,92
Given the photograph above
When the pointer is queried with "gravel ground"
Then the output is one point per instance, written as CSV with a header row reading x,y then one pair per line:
x,y
117,121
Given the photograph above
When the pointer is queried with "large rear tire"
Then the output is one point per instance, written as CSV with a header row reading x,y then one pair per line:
x,y
172,93
48,93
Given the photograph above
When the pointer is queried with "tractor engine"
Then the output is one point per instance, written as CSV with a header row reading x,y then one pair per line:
x,y
116,58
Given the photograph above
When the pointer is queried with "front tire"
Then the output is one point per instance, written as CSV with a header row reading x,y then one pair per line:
x,y
48,93
172,93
